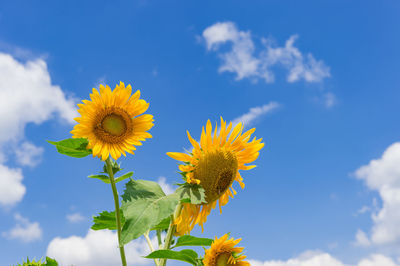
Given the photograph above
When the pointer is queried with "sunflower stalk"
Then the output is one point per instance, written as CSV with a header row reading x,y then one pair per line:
x,y
146,236
171,231
159,238
117,211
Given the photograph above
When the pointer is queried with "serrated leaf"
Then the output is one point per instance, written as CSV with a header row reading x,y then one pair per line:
x,y
103,178
106,220
144,206
163,225
72,147
188,240
191,193
186,255
136,189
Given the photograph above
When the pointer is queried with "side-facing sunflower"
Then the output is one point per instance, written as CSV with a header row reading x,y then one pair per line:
x,y
112,121
215,164
224,253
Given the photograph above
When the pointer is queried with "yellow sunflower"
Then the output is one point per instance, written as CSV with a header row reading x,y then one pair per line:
x,y
224,253
215,164
112,121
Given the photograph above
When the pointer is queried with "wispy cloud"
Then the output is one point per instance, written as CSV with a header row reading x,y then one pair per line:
x,y
28,154
255,113
24,230
75,217
243,60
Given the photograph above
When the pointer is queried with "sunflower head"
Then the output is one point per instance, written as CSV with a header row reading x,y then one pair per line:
x,y
224,253
113,122
214,163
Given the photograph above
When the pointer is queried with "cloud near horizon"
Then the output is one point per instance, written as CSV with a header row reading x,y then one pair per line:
x,y
318,258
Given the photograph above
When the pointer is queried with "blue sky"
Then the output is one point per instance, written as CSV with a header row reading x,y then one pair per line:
x,y
318,79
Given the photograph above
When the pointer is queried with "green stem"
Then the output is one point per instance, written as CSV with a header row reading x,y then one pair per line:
x,y
146,235
117,212
159,238
171,231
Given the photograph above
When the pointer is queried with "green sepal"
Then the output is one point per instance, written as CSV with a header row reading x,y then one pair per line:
x,y
188,240
106,220
144,206
191,193
72,147
186,255
106,179
115,167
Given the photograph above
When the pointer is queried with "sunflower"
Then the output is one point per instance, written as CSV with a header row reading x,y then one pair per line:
x,y
112,121
214,163
223,252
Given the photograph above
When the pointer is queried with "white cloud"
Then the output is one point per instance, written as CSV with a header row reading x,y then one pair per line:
x,y
240,59
317,258
28,154
24,230
97,248
362,239
11,188
26,96
167,188
254,113
75,217
383,175
365,209
243,61
299,66
377,260
308,258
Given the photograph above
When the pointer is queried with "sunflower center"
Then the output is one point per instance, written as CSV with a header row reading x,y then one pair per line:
x,y
114,124
216,171
222,260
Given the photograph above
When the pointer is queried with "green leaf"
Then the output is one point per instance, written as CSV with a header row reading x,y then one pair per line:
x,y
106,179
163,225
144,206
192,193
106,220
103,178
51,262
188,240
186,255
123,177
72,147
136,189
